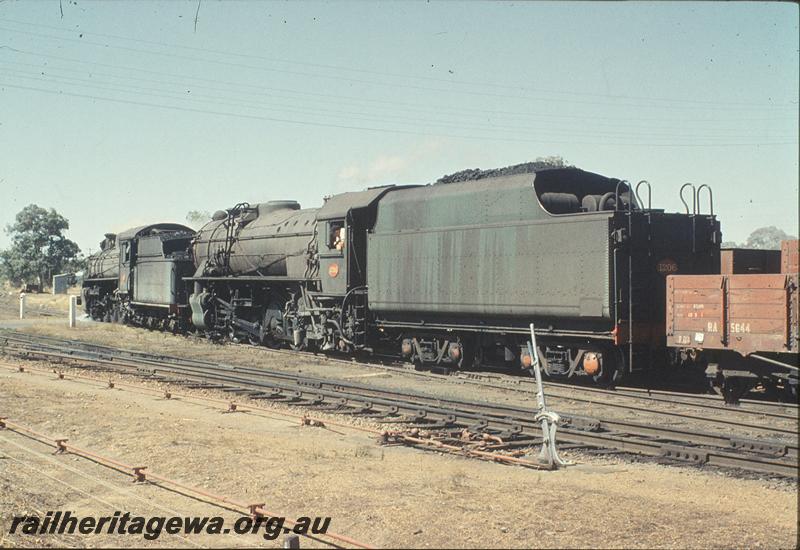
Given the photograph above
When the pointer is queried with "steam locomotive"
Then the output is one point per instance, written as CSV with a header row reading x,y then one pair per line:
x,y
446,275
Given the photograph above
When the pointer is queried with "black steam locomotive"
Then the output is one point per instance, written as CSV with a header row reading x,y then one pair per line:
x,y
447,275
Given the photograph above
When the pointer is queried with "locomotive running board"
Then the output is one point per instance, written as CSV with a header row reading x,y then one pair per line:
x,y
501,329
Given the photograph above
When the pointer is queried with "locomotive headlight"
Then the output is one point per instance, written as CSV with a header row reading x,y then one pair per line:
x,y
333,270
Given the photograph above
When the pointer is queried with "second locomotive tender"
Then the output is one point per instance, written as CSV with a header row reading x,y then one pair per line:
x,y
451,274
137,277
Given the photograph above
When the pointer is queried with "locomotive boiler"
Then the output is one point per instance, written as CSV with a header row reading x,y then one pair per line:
x,y
101,279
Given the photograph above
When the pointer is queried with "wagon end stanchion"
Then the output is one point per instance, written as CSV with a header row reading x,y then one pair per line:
x,y
549,419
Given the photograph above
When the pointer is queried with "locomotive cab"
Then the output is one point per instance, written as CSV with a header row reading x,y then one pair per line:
x,y
343,224
334,255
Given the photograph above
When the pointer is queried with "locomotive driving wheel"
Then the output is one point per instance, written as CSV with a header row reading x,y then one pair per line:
x,y
297,347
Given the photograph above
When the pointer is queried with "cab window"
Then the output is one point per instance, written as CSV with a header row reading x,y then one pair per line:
x,y
336,236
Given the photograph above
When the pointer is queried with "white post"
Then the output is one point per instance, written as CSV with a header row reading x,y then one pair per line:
x,y
292,541
22,306
73,306
549,419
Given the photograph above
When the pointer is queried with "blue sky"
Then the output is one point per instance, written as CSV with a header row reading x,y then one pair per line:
x,y
120,113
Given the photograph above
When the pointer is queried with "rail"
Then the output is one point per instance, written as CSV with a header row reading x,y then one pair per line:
x,y
514,426
144,473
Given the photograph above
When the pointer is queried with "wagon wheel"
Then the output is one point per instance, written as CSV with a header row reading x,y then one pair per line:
x,y
612,369
734,388
790,392
269,341
255,340
471,355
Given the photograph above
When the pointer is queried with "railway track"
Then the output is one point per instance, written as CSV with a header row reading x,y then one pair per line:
x,y
522,385
578,394
721,415
526,385
512,427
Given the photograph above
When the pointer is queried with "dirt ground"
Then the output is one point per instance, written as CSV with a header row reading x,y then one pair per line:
x,y
384,496
38,306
